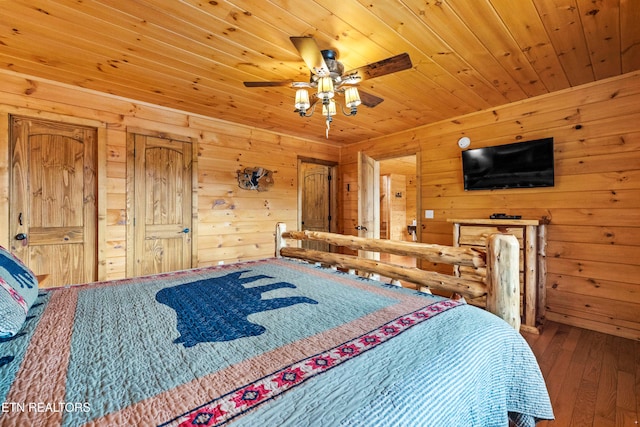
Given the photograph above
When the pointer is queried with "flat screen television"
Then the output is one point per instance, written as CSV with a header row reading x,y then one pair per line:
x,y
519,165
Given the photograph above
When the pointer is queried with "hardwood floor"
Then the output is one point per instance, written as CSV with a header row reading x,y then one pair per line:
x,y
593,378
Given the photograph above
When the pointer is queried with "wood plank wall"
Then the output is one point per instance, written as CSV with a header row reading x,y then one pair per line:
x,y
593,251
233,224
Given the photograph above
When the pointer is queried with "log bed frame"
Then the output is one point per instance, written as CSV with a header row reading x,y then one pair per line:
x,y
500,259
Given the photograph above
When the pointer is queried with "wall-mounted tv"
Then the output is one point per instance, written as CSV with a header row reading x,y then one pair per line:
x,y
519,165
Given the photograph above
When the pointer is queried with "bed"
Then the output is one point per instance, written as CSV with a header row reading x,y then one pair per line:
x,y
272,342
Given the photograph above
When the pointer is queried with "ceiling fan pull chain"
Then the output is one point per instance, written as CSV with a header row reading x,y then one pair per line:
x,y
329,120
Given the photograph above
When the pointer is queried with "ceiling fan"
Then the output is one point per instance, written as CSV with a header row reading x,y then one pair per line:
x,y
328,78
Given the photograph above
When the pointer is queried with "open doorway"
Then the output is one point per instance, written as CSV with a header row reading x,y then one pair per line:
x,y
399,203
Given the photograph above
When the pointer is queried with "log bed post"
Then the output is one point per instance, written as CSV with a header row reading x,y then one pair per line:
x,y
281,228
503,281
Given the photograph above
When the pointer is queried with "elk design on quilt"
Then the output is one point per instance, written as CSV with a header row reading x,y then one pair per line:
x,y
217,309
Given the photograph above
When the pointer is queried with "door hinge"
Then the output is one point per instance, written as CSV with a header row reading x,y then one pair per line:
x,y
329,178
329,218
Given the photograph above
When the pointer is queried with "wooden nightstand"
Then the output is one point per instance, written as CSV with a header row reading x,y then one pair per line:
x,y
531,235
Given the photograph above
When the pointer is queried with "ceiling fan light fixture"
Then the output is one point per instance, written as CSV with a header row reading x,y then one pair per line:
x,y
328,79
325,88
302,101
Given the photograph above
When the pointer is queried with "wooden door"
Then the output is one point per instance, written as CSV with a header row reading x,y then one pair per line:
x,y
315,209
53,209
368,201
163,204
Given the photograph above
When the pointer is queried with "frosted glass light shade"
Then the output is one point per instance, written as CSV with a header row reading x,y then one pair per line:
x,y
325,88
329,109
352,97
302,99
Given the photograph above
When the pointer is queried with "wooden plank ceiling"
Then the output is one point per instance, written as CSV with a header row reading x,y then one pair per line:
x,y
194,55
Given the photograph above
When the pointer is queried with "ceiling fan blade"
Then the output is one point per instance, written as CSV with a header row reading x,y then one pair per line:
x,y
268,84
311,55
369,100
380,68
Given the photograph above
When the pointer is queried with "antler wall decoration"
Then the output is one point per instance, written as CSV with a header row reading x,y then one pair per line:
x,y
257,178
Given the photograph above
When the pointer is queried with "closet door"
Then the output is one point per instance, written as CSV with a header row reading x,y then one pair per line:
x,y
163,204
53,209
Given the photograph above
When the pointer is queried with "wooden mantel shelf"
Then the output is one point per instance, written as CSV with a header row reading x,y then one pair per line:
x,y
476,221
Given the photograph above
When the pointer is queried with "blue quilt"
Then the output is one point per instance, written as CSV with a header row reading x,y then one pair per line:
x,y
272,342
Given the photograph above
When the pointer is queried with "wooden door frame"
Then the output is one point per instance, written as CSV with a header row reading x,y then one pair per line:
x,y
385,206
130,193
333,189
6,112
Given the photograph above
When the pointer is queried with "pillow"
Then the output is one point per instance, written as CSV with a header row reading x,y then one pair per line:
x,y
13,310
18,292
